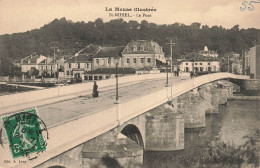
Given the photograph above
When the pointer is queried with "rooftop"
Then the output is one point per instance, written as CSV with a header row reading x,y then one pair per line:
x,y
143,47
80,58
104,52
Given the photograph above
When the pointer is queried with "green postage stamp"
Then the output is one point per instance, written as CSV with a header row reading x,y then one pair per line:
x,y
25,133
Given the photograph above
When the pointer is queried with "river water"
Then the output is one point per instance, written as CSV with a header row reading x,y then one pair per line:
x,y
7,89
230,139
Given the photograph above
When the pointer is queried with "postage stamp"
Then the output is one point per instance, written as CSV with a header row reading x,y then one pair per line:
x,y
25,133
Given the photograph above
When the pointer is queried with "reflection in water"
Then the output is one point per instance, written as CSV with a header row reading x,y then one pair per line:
x,y
230,138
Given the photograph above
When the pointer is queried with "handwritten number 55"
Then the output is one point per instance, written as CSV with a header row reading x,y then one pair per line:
x,y
250,5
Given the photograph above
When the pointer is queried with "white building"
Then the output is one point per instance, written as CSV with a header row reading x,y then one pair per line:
x,y
30,62
200,66
208,53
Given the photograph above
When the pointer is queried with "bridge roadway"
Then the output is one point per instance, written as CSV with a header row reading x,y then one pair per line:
x,y
57,113
74,121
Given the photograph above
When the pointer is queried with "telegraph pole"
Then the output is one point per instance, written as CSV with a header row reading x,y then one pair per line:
x,y
171,44
228,62
54,47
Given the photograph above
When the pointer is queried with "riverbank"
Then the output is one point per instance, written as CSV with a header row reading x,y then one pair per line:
x,y
6,89
253,98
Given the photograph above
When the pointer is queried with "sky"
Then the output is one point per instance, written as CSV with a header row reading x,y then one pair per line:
x,y
23,15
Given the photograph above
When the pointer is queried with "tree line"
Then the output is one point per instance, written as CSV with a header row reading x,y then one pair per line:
x,y
72,37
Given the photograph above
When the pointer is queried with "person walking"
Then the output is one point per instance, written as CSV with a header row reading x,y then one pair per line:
x,y
95,89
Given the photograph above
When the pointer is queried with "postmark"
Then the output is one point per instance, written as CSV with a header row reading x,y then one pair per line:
x,y
26,133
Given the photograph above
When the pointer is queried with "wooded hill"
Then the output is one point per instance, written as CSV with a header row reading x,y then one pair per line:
x,y
72,37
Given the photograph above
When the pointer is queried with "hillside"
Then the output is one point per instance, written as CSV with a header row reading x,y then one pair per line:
x,y
72,37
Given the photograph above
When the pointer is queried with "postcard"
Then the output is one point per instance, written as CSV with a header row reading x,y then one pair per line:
x,y
123,84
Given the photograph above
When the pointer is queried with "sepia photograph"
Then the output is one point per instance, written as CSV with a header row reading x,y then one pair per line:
x,y
129,84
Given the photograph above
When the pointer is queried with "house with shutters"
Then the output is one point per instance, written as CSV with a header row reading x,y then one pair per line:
x,y
81,62
142,54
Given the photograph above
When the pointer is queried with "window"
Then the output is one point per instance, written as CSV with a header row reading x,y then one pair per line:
x,y
200,63
196,63
71,72
148,48
128,60
187,63
134,60
78,65
134,48
141,48
109,60
69,65
142,60
103,62
97,61
201,68
149,60
68,72
208,63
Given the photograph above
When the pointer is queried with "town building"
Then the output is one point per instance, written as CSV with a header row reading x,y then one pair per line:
x,y
246,61
233,62
142,54
81,62
46,67
31,61
197,62
74,67
208,53
199,66
254,59
232,55
106,57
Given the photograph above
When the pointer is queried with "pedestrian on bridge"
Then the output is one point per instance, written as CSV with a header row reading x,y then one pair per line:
x,y
95,90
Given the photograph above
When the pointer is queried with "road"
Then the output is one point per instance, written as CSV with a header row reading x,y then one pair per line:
x,y
57,113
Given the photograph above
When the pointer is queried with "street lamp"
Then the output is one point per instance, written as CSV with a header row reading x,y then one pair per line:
x,y
117,62
109,61
167,77
193,66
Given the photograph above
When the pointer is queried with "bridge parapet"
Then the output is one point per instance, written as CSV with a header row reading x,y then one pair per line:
x,y
32,97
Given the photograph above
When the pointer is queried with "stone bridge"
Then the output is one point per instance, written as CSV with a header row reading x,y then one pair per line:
x,y
118,134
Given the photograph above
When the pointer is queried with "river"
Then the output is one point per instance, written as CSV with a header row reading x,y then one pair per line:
x,y
7,89
230,139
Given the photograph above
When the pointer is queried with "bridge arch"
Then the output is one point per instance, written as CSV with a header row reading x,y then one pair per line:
x,y
62,161
132,132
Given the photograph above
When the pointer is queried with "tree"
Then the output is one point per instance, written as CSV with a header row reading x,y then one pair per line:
x,y
33,72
